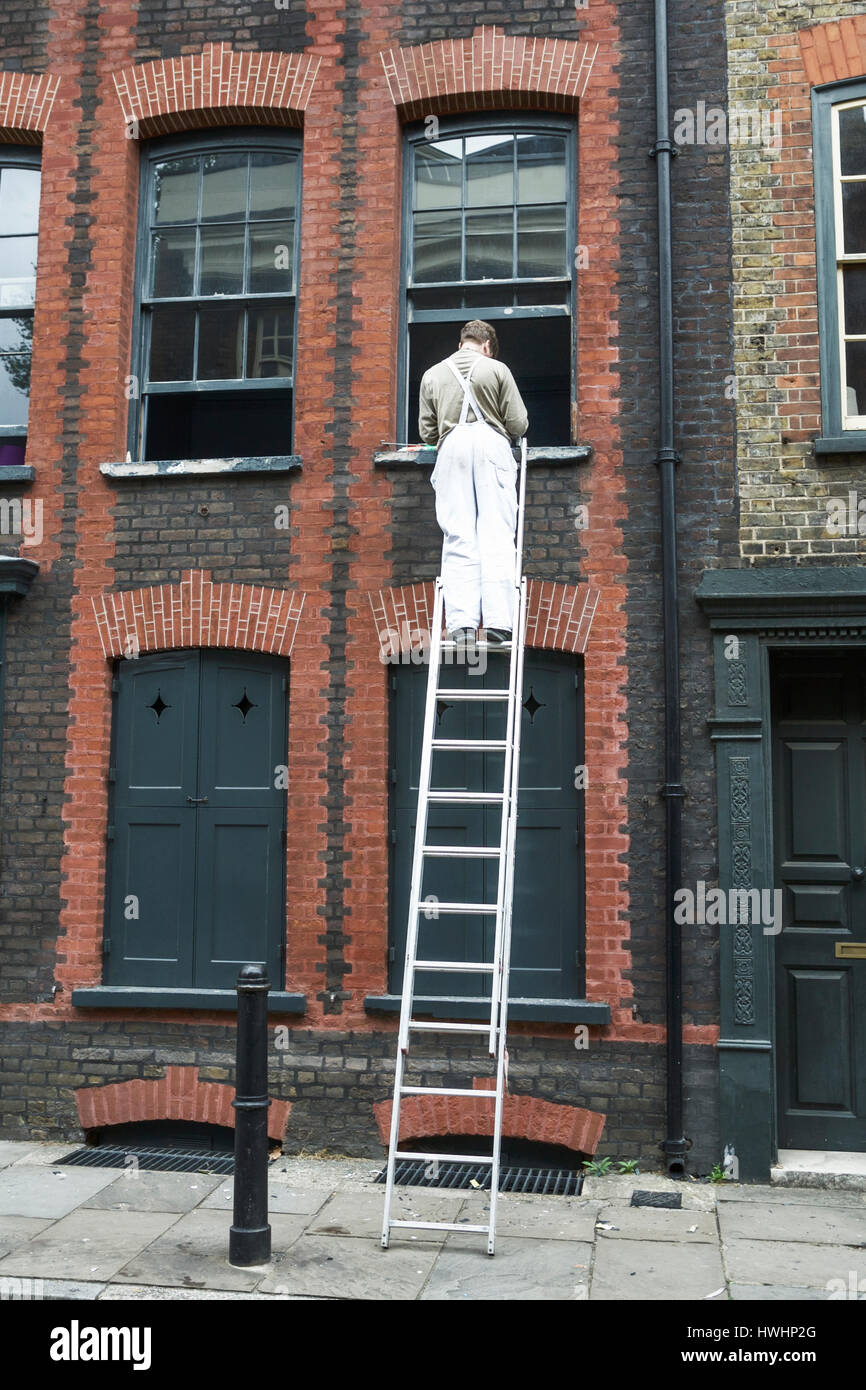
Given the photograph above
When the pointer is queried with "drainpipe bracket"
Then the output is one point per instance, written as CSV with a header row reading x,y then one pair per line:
x,y
667,455
663,146
672,789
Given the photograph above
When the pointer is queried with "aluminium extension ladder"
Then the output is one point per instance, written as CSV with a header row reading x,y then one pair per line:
x,y
498,968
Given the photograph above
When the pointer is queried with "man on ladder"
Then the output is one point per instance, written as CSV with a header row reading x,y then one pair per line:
x,y
471,409
478,509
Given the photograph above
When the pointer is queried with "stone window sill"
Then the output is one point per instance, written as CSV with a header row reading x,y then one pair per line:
x,y
193,468
538,1010
135,997
400,455
17,473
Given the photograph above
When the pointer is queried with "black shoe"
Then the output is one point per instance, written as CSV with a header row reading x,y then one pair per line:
x,y
497,636
463,637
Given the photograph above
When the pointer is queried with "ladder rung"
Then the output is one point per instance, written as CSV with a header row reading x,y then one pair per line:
x,y
468,798
469,967
438,1226
449,646
426,1026
470,745
460,852
473,694
447,1158
443,1091
471,909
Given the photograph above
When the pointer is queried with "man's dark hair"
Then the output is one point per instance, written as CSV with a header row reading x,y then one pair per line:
x,y
480,332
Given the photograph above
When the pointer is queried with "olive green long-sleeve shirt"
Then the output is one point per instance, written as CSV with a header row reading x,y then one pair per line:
x,y
493,386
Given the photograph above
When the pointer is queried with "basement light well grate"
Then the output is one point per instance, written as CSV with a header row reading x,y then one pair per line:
x,y
150,1160
551,1182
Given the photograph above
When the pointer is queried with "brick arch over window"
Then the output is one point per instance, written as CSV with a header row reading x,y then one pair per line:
x,y
217,87
25,105
198,613
559,616
835,51
492,69
524,1117
179,1095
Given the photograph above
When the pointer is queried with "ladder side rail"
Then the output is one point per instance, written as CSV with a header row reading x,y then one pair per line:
x,y
414,897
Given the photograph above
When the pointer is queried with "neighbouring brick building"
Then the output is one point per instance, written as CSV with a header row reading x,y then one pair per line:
x,y
256,227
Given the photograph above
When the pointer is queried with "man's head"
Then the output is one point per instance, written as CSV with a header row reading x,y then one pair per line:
x,y
481,336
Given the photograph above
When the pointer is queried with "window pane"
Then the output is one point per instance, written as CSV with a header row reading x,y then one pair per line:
x,y
852,140
14,387
17,270
175,190
854,217
439,174
220,344
489,170
172,335
540,169
541,241
855,366
273,185
173,263
271,340
271,254
19,201
222,260
437,246
489,252
854,293
219,424
224,187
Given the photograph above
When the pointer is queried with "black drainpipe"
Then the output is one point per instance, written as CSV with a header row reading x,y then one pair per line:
x,y
675,1145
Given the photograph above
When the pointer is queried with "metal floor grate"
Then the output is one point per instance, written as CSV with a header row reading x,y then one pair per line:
x,y
150,1160
552,1182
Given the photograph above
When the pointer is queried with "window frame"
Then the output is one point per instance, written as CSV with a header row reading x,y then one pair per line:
x,y
827,99
472,124
247,139
23,157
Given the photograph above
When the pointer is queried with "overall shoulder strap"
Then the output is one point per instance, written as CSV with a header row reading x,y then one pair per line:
x,y
468,393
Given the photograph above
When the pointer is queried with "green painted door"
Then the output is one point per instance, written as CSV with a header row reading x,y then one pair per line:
x,y
196,836
819,713
548,901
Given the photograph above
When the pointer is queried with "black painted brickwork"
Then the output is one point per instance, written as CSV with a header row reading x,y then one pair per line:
x,y
23,36
168,28
427,20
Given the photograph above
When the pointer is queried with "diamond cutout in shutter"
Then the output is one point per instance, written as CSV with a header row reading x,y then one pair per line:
x,y
532,706
244,704
158,705
441,707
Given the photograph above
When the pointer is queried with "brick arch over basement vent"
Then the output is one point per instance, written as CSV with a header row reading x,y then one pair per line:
x,y
25,105
198,613
832,52
217,87
559,616
524,1117
178,1096
492,69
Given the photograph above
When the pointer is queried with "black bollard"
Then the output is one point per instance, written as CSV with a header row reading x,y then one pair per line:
x,y
250,1235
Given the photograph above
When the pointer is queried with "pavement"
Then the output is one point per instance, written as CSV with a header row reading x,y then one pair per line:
x,y
108,1234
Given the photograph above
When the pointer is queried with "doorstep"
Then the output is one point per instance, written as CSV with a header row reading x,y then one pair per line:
x,y
820,1168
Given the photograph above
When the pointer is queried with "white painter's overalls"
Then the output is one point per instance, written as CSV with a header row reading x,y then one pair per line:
x,y
476,507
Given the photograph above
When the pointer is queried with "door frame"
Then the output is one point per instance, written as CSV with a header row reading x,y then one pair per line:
x,y
753,613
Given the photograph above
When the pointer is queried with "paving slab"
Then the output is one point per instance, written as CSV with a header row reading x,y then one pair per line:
x,y
87,1244
656,1270
615,1187
824,1226
793,1263
194,1254
49,1192
522,1270
45,1154
535,1218
360,1213
343,1267
790,1196
657,1223
73,1290
11,1150
289,1201
154,1293
135,1190
773,1293
15,1230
